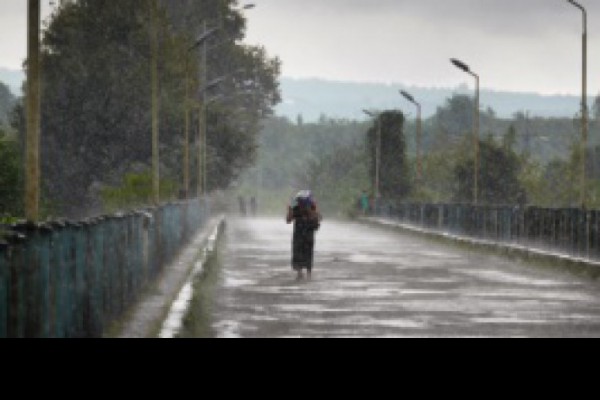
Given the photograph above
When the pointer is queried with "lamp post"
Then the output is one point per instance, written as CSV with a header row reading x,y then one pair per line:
x,y
464,67
203,143
155,103
376,183
411,99
186,149
202,140
584,107
32,184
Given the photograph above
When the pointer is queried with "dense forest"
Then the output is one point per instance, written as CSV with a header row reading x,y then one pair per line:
x,y
96,126
524,159
7,103
96,108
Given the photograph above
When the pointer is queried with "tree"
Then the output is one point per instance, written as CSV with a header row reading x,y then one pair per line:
x,y
510,139
596,108
394,168
337,178
456,117
11,192
7,102
96,91
246,96
499,176
96,119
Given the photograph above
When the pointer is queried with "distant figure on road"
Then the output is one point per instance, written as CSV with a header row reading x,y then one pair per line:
x,y
253,206
364,203
307,220
242,203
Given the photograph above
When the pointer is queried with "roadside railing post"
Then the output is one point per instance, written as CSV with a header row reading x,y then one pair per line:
x,y
4,281
16,295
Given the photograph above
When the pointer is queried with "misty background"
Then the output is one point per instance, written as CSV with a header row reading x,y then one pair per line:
x,y
336,58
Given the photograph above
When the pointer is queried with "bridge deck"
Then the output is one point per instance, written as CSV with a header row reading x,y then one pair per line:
x,y
371,282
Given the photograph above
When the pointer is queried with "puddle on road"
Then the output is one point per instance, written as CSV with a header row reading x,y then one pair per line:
x,y
510,321
235,281
554,296
384,323
505,277
228,329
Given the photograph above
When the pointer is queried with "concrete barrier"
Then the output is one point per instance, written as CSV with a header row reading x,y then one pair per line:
x,y
579,265
159,312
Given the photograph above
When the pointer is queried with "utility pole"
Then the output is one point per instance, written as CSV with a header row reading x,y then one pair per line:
x,y
186,149
32,158
186,145
584,107
461,65
203,141
203,124
155,104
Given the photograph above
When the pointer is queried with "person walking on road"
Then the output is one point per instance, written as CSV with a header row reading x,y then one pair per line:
x,y
303,212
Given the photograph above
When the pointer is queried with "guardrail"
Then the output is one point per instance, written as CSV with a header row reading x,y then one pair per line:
x,y
68,279
571,231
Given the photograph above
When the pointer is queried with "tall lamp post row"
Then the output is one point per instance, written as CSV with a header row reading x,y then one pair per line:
x,y
202,128
33,109
202,153
476,123
464,67
207,33
410,98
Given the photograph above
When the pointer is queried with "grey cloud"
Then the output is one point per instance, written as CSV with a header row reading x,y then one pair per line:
x,y
510,16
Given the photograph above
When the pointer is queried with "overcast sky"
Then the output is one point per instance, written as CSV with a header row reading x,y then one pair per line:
x,y
515,45
13,31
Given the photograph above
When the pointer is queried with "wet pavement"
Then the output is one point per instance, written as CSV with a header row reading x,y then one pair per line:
x,y
375,282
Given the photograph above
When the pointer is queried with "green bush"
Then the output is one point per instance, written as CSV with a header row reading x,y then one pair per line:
x,y
11,192
135,192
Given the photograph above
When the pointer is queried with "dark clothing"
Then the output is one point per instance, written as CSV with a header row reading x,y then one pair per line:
x,y
306,222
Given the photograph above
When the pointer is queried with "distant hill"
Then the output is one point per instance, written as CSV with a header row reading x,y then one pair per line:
x,y
312,98
13,79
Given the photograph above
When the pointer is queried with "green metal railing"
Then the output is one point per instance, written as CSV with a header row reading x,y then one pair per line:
x,y
67,280
571,231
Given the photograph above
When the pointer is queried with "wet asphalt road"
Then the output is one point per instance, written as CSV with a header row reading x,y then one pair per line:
x,y
372,282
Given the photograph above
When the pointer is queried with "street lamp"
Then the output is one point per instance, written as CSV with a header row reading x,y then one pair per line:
x,y
186,149
155,103
411,99
584,108
202,141
377,118
464,67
